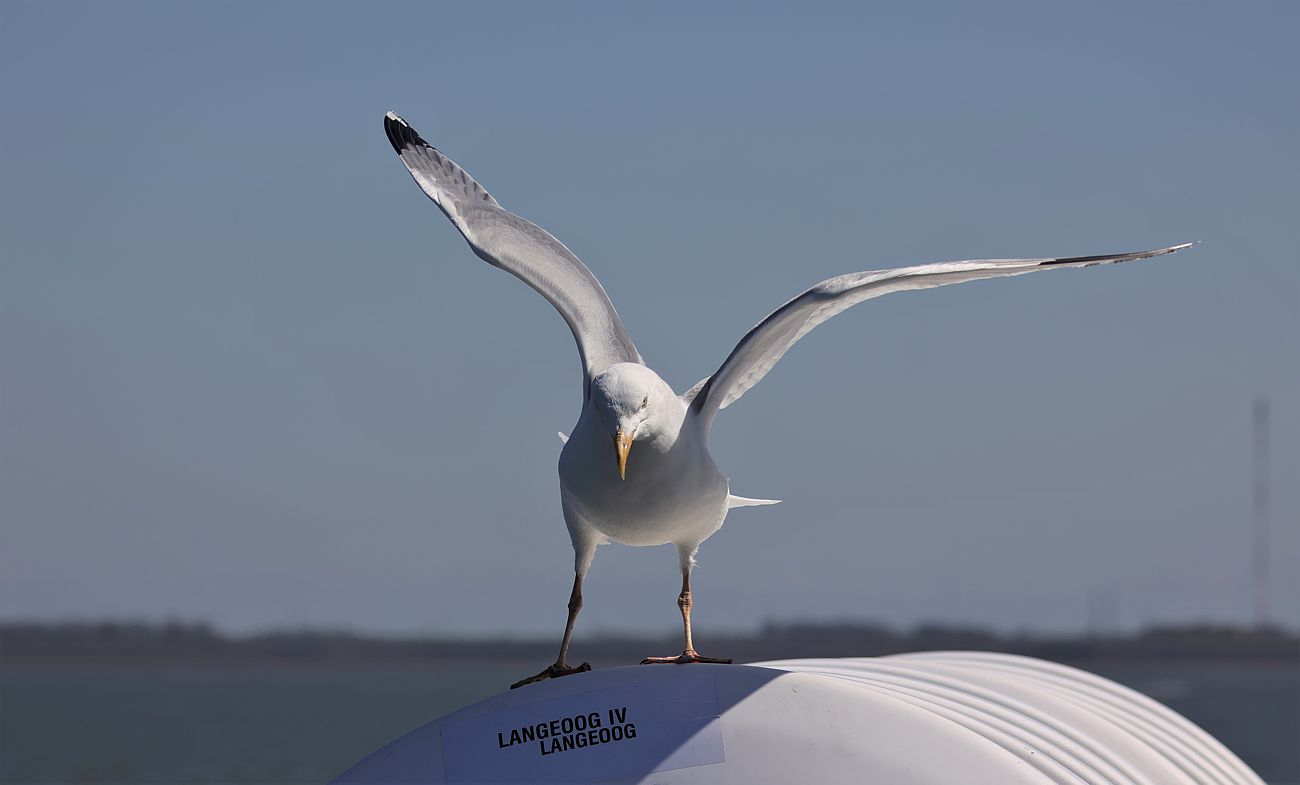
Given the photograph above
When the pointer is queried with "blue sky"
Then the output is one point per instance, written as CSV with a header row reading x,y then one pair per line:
x,y
249,374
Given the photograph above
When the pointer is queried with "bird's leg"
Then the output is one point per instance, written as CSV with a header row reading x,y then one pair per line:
x,y
575,605
561,666
684,602
688,654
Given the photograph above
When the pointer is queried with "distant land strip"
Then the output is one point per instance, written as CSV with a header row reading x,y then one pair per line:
x,y
197,642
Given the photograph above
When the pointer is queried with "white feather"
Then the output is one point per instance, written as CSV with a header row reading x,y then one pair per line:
x,y
741,501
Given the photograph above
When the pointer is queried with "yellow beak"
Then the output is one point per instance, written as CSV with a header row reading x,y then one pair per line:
x,y
623,444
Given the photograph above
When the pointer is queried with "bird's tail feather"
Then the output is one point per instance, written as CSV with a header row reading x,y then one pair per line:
x,y
741,501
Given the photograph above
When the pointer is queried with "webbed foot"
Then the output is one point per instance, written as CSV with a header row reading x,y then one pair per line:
x,y
686,657
553,672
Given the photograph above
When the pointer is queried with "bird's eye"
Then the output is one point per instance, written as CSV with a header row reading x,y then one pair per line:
x,y
645,402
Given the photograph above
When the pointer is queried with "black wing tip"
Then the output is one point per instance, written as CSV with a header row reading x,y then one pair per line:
x,y
400,134
1119,257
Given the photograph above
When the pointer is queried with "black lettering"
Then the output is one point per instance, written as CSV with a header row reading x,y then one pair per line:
x,y
569,733
501,743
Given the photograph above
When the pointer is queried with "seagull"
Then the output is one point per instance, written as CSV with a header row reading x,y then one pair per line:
x,y
636,468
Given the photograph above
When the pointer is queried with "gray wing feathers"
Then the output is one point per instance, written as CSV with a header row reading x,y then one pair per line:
x,y
764,345
690,394
519,247
438,176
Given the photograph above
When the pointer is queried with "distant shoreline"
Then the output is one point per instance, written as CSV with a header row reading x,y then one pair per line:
x,y
198,643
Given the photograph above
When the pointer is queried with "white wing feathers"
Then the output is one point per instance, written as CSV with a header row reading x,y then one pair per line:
x,y
760,349
519,247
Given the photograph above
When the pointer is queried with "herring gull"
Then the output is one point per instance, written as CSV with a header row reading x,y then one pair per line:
x,y
667,490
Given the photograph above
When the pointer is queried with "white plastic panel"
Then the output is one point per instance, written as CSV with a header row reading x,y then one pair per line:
x,y
926,719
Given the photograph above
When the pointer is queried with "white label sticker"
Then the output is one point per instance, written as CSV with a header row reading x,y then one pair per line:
x,y
615,733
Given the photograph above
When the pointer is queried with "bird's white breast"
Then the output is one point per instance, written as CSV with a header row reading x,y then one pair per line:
x,y
673,492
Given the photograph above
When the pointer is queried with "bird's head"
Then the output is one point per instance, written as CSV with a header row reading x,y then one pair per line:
x,y
628,398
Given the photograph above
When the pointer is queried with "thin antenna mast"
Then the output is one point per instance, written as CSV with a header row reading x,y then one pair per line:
x,y
1261,502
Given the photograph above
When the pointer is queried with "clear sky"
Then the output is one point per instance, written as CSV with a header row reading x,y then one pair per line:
x,y
249,374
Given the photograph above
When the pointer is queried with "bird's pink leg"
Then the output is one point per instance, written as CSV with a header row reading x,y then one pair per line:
x,y
561,666
689,654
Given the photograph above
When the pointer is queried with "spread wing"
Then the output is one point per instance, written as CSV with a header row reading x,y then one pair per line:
x,y
521,248
759,350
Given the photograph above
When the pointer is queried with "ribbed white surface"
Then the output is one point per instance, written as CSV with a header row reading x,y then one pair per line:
x,y
1071,725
